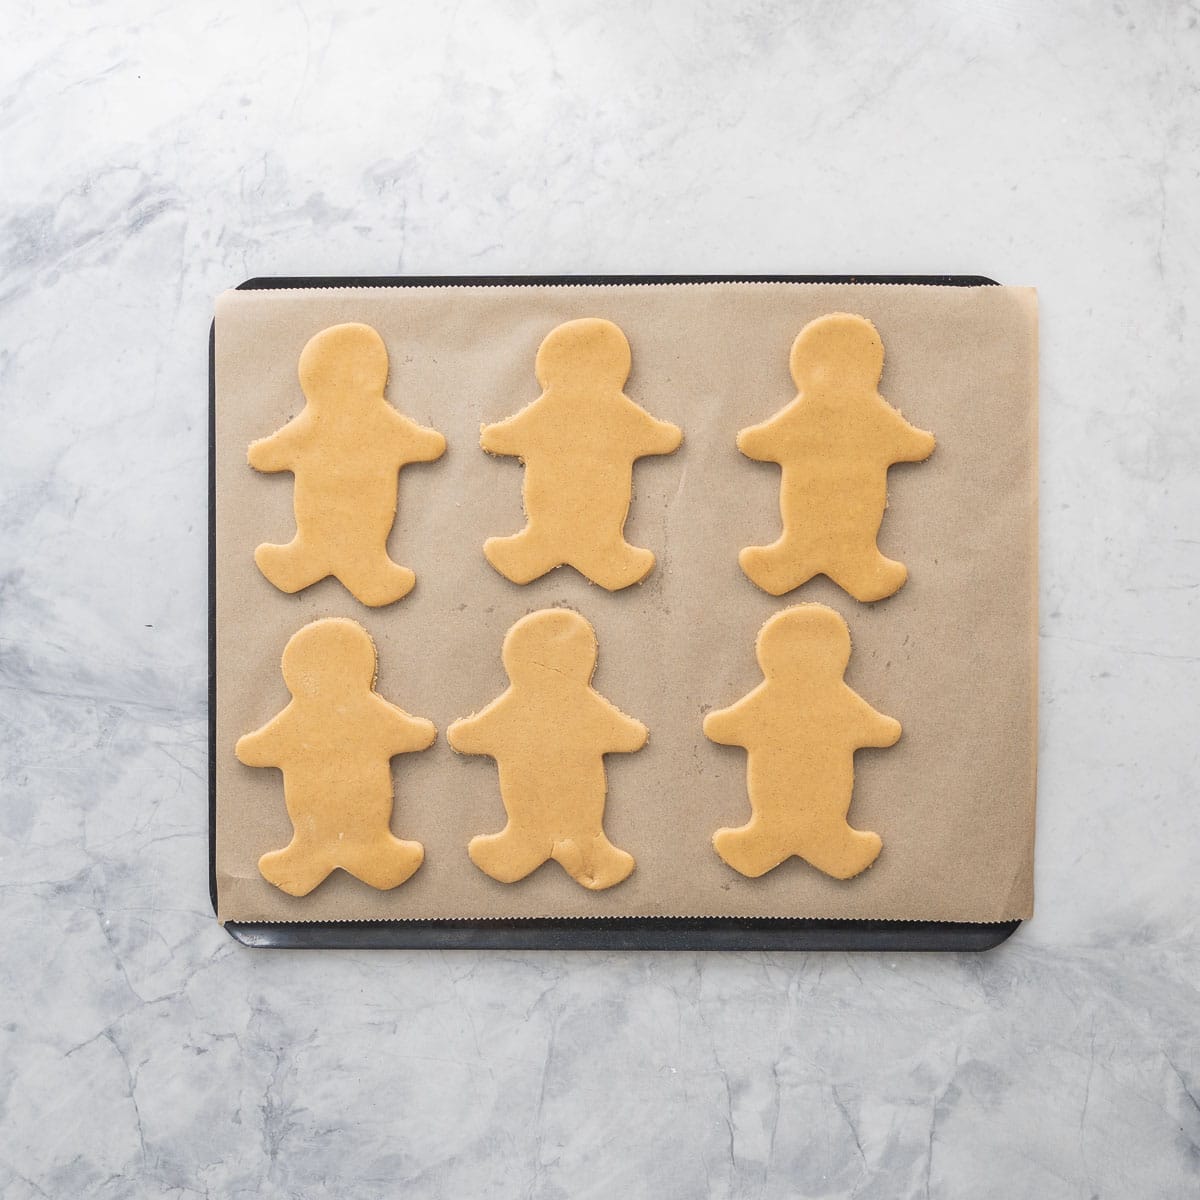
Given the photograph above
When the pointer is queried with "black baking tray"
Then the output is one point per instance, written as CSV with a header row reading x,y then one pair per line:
x,y
566,933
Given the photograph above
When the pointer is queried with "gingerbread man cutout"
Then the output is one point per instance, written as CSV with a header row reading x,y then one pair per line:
x,y
578,442
801,727
334,744
346,449
835,442
549,734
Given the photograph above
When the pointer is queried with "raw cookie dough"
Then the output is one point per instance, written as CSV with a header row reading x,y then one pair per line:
x,y
835,442
548,734
345,449
800,726
578,441
334,744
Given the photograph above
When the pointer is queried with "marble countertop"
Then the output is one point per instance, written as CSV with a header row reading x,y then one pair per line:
x,y
155,154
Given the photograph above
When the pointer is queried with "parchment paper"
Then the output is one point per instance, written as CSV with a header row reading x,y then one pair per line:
x,y
952,656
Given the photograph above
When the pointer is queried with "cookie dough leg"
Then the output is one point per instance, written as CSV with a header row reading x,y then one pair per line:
x,y
296,869
386,866
376,582
616,565
868,575
594,862
777,568
523,557
750,850
509,855
290,568
842,852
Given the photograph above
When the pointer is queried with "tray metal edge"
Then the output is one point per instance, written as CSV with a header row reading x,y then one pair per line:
x,y
627,933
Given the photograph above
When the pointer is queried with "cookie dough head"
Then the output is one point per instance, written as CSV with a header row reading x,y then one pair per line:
x,y
557,640
841,352
329,655
589,355
342,364
808,641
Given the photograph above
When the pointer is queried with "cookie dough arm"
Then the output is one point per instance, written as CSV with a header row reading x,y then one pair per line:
x,y
406,733
910,444
476,734
623,734
874,729
417,443
508,437
761,442
261,748
650,435
279,451
729,726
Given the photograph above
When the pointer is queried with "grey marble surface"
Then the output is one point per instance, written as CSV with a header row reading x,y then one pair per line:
x,y
154,154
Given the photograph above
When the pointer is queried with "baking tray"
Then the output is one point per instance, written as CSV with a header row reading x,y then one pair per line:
x,y
567,933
